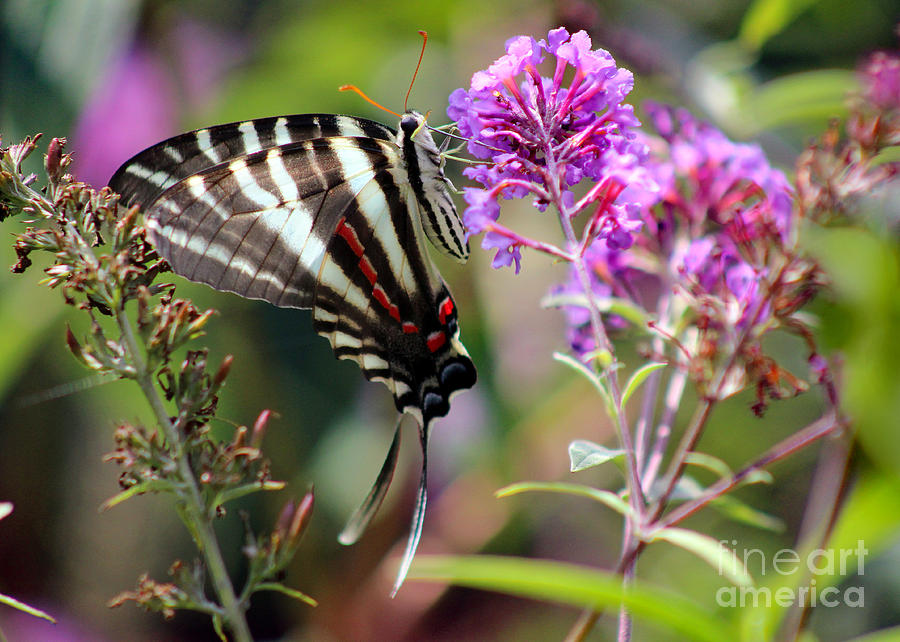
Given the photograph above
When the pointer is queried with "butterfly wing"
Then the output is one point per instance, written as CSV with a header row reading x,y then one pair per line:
x,y
148,174
325,223
329,222
401,329
260,225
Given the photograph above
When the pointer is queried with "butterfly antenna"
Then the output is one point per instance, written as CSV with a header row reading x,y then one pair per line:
x,y
367,99
424,35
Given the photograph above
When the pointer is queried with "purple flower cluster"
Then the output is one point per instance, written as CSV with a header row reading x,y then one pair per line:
x,y
543,137
710,180
726,210
710,238
685,227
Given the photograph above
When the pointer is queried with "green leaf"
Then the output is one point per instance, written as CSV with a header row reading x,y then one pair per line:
x,y
579,367
610,305
218,627
575,586
586,454
230,494
685,488
798,98
628,311
603,357
591,376
714,553
887,155
16,604
128,493
281,588
758,476
640,375
737,510
605,497
149,486
766,18
709,462
718,466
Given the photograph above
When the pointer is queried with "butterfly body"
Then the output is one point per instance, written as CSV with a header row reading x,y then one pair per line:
x,y
324,212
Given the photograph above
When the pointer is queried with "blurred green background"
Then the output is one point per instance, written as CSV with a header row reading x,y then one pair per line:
x,y
118,75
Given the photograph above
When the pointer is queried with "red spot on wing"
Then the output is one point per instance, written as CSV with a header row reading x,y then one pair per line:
x,y
436,340
380,296
445,310
346,232
367,270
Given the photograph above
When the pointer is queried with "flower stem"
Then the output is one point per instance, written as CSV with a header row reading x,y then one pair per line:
x,y
822,427
625,622
674,392
635,491
194,511
628,574
642,427
554,176
826,492
540,246
633,480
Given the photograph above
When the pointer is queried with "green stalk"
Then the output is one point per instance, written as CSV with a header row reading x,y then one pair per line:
x,y
194,513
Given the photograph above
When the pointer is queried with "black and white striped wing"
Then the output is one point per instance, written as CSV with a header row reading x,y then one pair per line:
x,y
329,213
401,327
148,174
327,224
260,225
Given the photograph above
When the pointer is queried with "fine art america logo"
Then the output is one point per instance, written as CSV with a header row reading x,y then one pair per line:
x,y
819,564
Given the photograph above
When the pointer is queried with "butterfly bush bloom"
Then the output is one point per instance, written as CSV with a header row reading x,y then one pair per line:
x,y
880,76
543,136
686,230
874,123
715,248
845,168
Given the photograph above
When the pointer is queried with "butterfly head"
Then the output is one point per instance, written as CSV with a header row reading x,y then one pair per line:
x,y
411,122
414,126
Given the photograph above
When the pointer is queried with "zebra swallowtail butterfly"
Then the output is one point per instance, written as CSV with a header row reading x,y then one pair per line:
x,y
330,213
